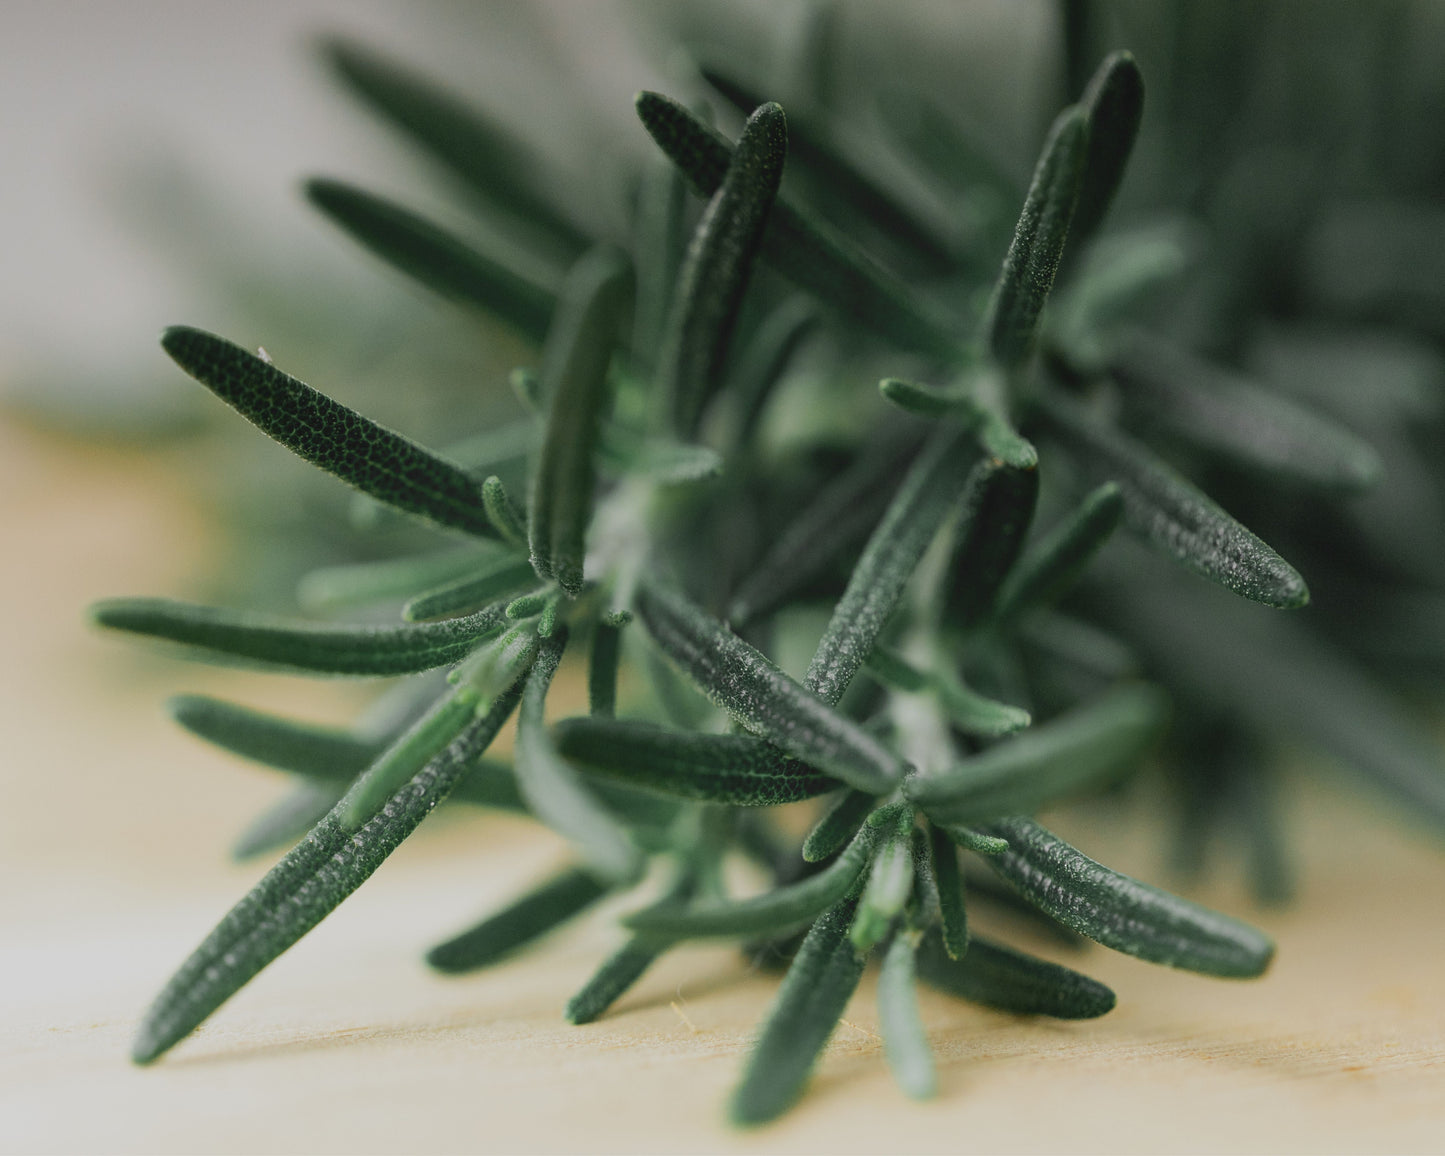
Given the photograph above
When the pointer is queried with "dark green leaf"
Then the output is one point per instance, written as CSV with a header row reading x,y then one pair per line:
x,y
302,748
780,909
301,890
437,259
483,154
973,713
905,1043
759,364
1121,912
509,519
1056,560
735,769
602,664
574,381
971,840
1041,764
561,898
928,494
1114,103
338,587
718,266
659,243
555,792
1010,981
890,883
952,909
289,644
327,434
816,258
998,507
485,584
743,681
1173,516
1038,244
285,822
813,997
837,826
1230,415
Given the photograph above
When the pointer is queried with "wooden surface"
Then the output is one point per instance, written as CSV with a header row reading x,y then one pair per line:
x,y
112,839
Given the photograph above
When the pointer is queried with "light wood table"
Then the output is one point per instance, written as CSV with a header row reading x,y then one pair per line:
x,y
112,867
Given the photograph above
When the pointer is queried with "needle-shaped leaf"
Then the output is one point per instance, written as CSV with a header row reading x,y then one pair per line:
x,y
905,1043
436,258
998,508
836,521
1010,981
1053,563
555,791
660,460
285,822
949,880
837,826
339,587
1047,761
759,365
602,664
744,682
928,494
235,636
509,518
1175,517
564,896
890,883
383,464
659,244
1038,245
1229,415
735,769
1121,912
718,266
811,254
1114,104
812,999
575,360
301,890
778,910
302,748
484,155
485,584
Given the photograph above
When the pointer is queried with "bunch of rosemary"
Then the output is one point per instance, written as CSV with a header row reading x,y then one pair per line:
x,y
641,497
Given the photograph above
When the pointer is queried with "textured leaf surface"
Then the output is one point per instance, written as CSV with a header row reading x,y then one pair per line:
x,y
1010,981
301,890
289,644
997,510
743,681
1053,563
735,769
905,1043
489,583
302,748
383,464
949,881
1174,516
837,826
1114,104
361,583
1121,912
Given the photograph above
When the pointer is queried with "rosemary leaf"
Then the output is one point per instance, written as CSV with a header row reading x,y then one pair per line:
x,y
1045,762
340,587
1121,912
998,507
288,644
383,464
837,826
928,494
437,259
760,363
952,908
971,840
1038,244
1010,981
734,769
976,714
1173,516
295,895
503,513
575,360
743,681
483,154
302,748
813,996
781,909
602,662
905,1043
485,584
716,271
1230,415
1114,102
807,251
562,897
659,245
890,883
285,822
555,792
1055,562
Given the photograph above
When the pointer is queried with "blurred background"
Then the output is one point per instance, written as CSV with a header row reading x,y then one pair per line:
x,y
153,158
